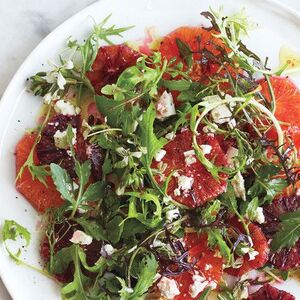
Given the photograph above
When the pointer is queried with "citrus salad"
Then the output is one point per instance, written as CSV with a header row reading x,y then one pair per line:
x,y
165,168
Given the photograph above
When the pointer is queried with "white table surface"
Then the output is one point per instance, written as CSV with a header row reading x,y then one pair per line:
x,y
23,24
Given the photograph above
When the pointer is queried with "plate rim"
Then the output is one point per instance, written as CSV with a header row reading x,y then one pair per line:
x,y
4,100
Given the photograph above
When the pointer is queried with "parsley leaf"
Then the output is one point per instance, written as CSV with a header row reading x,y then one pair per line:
x,y
289,233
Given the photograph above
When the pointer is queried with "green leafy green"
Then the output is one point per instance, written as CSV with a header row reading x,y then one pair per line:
x,y
63,182
265,187
209,213
12,230
147,271
141,208
215,238
149,139
289,233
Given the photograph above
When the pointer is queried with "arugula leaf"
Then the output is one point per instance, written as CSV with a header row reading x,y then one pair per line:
x,y
229,200
289,233
251,210
115,229
265,187
63,182
147,272
61,260
12,230
146,215
149,140
92,228
177,85
76,289
215,238
118,115
83,171
205,293
209,213
93,192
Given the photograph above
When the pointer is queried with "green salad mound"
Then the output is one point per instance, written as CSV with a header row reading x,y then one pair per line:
x,y
164,165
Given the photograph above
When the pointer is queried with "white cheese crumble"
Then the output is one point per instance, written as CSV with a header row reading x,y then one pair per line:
x,y
198,285
65,108
260,217
168,288
252,254
177,192
170,136
185,183
206,149
157,243
231,153
160,155
60,139
107,250
172,214
221,114
81,238
165,106
207,267
238,184
190,157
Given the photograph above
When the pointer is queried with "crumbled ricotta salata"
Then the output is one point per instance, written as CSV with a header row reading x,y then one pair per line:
x,y
206,149
160,155
165,106
221,114
168,288
170,136
238,184
252,254
60,139
172,214
260,217
65,108
81,238
231,153
185,183
190,157
107,250
198,285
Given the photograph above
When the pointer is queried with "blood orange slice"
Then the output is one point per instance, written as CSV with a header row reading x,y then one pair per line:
x,y
260,244
208,266
205,46
287,97
110,62
179,157
37,194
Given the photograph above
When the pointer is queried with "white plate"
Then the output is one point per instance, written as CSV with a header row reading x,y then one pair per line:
x,y
278,26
